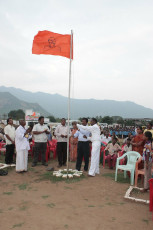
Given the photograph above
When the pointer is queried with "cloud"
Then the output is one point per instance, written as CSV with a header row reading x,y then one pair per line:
x,y
113,49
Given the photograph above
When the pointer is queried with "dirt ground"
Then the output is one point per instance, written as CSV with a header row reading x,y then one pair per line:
x,y
32,201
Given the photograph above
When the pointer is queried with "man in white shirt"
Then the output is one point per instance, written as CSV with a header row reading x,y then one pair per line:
x,y
127,146
9,131
61,133
106,138
22,137
96,142
40,132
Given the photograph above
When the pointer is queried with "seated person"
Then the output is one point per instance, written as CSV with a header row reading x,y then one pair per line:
x,y
113,149
114,136
106,138
127,146
129,136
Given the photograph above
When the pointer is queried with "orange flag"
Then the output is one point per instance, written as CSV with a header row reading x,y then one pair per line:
x,y
46,42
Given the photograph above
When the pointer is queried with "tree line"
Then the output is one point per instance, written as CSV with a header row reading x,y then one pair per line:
x,y
19,114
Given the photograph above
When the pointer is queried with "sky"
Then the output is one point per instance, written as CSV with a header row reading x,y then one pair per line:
x,y
113,48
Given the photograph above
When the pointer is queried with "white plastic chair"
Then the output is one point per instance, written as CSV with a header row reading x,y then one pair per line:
x,y
132,158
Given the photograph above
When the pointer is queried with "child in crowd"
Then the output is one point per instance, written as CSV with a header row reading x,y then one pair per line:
x,y
113,149
127,146
147,157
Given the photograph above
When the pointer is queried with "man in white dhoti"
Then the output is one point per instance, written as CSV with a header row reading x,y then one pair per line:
x,y
22,137
95,139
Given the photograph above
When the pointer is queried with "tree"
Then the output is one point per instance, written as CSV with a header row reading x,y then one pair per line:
x,y
52,118
17,114
130,122
99,118
107,119
120,121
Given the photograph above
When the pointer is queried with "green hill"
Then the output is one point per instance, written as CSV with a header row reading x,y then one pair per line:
x,y
9,102
56,105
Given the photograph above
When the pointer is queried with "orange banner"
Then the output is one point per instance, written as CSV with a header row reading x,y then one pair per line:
x,y
46,42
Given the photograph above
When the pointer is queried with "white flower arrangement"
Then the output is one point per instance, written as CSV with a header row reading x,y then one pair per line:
x,y
2,165
71,173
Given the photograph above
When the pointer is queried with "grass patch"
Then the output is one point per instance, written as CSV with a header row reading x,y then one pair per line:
x,y
44,197
121,203
66,226
66,187
109,203
11,208
1,210
7,193
17,225
91,206
146,221
29,188
36,172
23,208
49,176
120,177
113,218
23,186
128,222
51,205
135,191
31,169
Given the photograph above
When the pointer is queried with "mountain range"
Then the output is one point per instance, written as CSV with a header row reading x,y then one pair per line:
x,y
56,105
9,102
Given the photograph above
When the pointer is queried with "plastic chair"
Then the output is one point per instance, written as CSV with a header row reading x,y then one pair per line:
x,y
118,155
2,147
52,148
132,157
139,171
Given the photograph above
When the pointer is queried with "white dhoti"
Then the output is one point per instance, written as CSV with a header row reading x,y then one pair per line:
x,y
21,160
95,155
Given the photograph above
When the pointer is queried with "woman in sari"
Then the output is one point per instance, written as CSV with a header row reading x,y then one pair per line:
x,y
138,144
73,143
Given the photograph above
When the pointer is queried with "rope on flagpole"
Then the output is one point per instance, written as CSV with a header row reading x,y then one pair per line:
x,y
69,91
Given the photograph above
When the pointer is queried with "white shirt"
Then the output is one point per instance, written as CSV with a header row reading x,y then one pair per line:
x,y
61,130
80,133
21,142
105,139
95,131
40,137
127,149
10,131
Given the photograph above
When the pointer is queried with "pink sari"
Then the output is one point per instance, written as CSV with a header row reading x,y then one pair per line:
x,y
73,146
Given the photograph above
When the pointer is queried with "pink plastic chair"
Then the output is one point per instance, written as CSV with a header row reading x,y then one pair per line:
x,y
52,148
2,147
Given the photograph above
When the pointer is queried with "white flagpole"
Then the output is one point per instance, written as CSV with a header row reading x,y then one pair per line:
x,y
69,102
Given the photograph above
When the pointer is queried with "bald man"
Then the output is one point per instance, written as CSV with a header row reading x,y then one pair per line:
x,y
22,137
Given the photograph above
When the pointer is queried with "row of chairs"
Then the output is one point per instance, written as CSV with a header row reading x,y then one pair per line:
x,y
51,147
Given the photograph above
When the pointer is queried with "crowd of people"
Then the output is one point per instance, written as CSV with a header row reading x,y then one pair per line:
x,y
83,139
122,132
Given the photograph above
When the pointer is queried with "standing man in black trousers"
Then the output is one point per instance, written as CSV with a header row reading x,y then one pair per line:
x,y
40,132
61,133
83,148
9,131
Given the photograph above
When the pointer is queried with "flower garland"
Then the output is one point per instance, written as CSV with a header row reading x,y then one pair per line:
x,y
71,173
